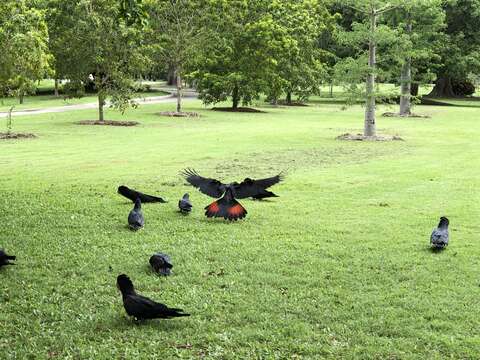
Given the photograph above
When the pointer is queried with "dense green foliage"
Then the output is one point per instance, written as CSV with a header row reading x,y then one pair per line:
x,y
461,47
94,40
239,50
24,51
242,57
300,70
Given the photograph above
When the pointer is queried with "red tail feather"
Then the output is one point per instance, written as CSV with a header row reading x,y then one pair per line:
x,y
231,210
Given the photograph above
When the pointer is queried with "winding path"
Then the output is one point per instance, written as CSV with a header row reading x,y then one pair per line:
x,y
57,109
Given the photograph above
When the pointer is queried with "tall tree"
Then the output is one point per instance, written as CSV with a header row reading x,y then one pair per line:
x,y
177,35
105,46
419,24
24,43
372,34
60,25
241,56
300,69
461,47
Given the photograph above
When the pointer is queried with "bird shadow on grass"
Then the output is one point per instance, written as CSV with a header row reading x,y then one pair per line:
x,y
125,323
433,250
149,271
220,221
262,201
124,227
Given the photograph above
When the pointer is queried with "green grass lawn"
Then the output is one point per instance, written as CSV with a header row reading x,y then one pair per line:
x,y
337,267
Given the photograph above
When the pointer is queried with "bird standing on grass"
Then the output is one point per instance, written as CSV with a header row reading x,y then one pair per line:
x,y
439,238
135,218
133,195
227,207
141,307
161,264
4,258
184,204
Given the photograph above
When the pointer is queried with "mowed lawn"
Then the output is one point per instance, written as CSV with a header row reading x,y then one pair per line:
x,y
338,266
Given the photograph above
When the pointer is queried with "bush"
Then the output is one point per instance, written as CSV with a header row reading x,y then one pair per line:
x,y
463,87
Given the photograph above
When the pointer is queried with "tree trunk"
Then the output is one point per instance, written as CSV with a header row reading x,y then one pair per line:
x,y
171,78
369,125
406,81
443,88
56,88
288,99
414,89
21,96
331,89
101,104
179,92
235,98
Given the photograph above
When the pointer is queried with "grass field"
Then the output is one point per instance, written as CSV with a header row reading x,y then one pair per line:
x,y
337,267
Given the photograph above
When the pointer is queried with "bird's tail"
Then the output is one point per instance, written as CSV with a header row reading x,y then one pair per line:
x,y
151,198
228,209
173,312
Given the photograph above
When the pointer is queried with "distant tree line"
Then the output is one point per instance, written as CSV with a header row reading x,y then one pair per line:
x,y
241,50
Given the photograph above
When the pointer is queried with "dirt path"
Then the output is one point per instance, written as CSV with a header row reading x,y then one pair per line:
x,y
57,109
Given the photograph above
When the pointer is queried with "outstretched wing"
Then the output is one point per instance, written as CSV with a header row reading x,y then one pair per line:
x,y
251,188
210,187
267,182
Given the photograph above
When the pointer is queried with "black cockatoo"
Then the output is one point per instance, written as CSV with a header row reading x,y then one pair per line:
x,y
136,220
161,264
439,238
133,195
227,207
184,204
141,307
5,259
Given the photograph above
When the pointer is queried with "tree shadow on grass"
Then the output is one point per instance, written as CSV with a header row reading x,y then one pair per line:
x,y
454,102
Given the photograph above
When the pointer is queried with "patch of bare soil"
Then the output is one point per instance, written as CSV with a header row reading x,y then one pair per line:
x,y
179,114
10,135
107,123
361,137
239,109
392,114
